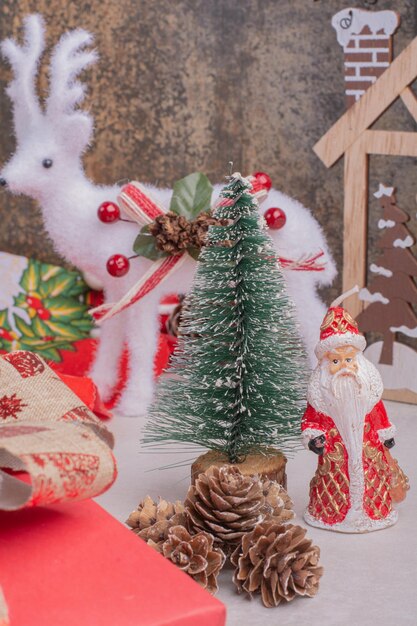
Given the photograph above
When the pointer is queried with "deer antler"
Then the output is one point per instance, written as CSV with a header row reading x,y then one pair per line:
x,y
68,60
24,61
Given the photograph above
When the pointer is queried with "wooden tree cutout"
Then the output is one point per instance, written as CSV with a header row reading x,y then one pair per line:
x,y
393,291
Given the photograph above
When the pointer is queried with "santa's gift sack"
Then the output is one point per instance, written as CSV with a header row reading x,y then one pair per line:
x,y
47,433
399,483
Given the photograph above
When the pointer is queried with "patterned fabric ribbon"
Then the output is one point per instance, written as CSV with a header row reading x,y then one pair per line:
x,y
138,205
50,435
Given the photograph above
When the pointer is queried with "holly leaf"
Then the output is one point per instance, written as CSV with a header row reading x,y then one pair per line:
x,y
4,320
31,277
40,328
20,301
191,195
85,325
65,309
24,329
57,286
63,331
145,245
194,253
46,351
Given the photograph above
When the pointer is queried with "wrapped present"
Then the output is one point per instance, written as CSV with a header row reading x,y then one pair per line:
x,y
76,564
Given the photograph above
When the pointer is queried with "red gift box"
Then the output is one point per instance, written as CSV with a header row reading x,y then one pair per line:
x,y
77,565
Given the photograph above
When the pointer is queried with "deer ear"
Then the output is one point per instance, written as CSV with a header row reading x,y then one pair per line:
x,y
77,130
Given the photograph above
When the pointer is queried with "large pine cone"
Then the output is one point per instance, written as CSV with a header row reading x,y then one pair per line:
x,y
224,503
278,562
195,555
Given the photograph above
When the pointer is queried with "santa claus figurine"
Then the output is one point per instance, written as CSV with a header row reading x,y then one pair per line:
x,y
347,426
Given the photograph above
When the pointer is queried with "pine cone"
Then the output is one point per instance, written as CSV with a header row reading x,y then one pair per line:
x,y
149,513
172,232
278,504
224,503
278,562
199,228
156,535
195,555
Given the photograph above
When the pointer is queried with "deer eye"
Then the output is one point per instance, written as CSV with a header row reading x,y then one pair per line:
x,y
47,163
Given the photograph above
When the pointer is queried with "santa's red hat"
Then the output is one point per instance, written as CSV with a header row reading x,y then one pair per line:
x,y
339,329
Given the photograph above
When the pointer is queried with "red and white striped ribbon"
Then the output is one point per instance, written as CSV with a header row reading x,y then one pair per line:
x,y
157,273
138,205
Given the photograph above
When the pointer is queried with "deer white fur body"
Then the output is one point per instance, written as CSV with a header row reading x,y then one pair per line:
x,y
69,201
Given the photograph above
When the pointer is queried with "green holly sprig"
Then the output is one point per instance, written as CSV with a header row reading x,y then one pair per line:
x,y
54,300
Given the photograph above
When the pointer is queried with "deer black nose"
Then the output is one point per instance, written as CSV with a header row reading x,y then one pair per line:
x,y
3,182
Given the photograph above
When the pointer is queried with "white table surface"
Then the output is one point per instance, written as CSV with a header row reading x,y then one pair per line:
x,y
369,580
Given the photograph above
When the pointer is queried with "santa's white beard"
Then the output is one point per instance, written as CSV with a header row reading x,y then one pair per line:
x,y
346,399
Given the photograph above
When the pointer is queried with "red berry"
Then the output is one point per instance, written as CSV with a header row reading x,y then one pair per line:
x,y
48,338
108,212
263,179
33,302
275,218
4,334
118,265
43,314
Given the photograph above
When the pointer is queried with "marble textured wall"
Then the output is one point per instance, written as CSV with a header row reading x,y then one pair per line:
x,y
186,85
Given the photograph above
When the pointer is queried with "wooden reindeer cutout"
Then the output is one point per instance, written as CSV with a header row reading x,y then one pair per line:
x,y
47,166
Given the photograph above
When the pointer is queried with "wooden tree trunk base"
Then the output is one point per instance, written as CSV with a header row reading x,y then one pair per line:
x,y
269,463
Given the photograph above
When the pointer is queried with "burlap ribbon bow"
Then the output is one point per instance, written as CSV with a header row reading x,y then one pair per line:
x,y
48,433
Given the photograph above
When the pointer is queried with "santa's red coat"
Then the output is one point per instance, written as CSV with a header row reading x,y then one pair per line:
x,y
329,489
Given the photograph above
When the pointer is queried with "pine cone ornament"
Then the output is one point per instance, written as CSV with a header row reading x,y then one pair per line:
x,y
149,513
224,503
199,228
278,504
172,232
195,555
278,562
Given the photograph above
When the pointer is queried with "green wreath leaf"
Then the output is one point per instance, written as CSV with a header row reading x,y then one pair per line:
x,y
191,195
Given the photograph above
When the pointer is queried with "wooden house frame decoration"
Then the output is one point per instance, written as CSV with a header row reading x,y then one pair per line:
x,y
352,138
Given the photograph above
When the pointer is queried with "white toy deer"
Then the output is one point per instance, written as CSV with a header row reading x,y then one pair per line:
x,y
47,166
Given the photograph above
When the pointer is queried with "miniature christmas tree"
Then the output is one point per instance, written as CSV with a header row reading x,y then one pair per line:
x,y
237,378
393,292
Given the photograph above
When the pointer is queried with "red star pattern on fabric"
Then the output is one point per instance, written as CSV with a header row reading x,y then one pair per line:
x,y
10,406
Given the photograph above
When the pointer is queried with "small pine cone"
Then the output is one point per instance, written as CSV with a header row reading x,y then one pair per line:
x,y
224,503
278,562
156,535
172,232
195,555
199,228
278,504
149,512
